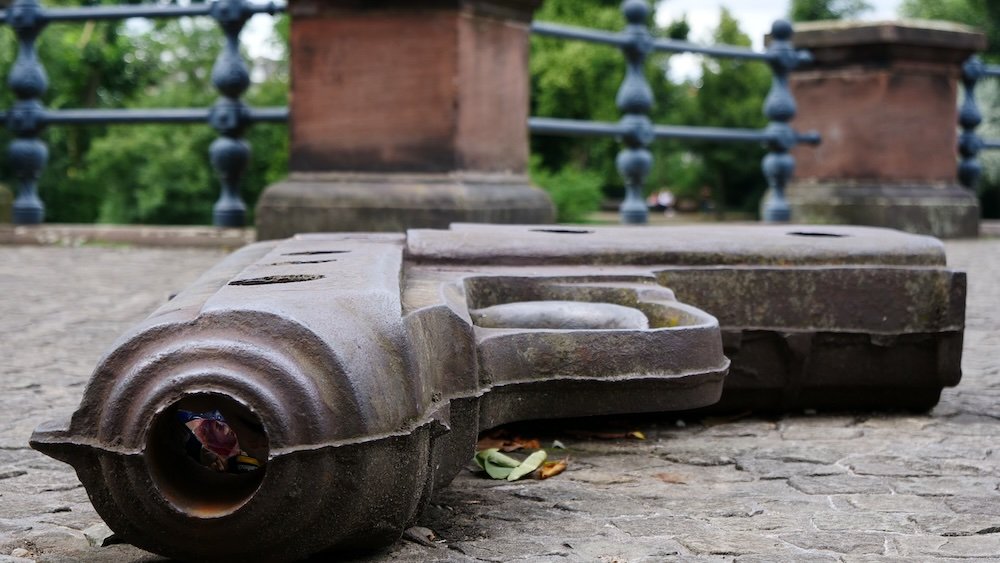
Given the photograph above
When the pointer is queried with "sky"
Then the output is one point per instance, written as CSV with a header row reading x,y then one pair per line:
x,y
755,17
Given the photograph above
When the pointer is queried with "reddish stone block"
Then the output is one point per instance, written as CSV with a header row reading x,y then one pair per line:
x,y
406,114
883,95
409,86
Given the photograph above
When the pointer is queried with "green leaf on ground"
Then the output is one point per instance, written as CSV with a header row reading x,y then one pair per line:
x,y
533,462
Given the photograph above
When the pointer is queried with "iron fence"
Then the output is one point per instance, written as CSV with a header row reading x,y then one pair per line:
x,y
970,117
635,101
230,116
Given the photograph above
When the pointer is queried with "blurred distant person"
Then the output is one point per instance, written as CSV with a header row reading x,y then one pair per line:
x,y
665,199
662,200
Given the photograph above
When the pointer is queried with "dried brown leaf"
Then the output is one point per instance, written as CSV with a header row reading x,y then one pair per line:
x,y
552,468
487,443
520,444
506,444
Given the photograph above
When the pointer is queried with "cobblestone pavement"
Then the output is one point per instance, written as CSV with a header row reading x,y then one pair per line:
x,y
802,487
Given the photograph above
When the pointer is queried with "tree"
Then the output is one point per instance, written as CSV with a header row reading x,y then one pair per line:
x,y
813,10
981,14
732,94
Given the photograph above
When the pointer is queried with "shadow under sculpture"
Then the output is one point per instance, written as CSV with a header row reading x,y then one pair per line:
x,y
360,368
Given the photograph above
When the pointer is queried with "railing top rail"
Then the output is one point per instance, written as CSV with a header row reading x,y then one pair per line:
x,y
991,70
575,127
580,128
143,116
561,31
85,13
722,51
621,39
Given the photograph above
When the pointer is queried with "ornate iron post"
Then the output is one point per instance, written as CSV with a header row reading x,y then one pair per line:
x,y
230,153
780,108
969,118
27,153
635,100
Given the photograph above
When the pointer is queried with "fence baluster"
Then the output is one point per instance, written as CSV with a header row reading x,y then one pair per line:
x,y
230,153
27,153
635,100
969,118
780,108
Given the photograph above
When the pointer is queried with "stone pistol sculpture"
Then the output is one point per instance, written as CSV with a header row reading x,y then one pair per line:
x,y
312,394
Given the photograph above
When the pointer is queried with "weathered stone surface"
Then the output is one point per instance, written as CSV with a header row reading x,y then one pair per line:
x,y
778,292
854,521
962,546
839,485
838,542
906,504
60,309
306,203
777,469
950,525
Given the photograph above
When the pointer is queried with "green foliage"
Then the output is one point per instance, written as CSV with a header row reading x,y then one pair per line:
x,y
89,65
140,173
575,192
981,14
579,81
177,185
813,10
732,94
575,80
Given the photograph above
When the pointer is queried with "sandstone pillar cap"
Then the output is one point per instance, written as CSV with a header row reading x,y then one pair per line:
x,y
853,42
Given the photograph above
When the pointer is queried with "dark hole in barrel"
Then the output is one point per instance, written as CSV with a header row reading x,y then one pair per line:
x,y
315,252
190,482
563,231
268,280
815,234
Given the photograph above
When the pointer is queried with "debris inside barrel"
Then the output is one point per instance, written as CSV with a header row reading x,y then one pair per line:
x,y
212,442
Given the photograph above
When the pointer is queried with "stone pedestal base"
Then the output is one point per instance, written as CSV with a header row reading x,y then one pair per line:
x,y
944,211
336,202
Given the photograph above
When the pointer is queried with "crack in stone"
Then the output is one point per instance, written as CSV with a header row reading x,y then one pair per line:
x,y
983,532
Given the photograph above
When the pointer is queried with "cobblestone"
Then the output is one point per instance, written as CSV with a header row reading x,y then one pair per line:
x,y
851,487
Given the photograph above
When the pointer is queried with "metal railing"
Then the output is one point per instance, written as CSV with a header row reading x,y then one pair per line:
x,y
230,117
969,118
635,101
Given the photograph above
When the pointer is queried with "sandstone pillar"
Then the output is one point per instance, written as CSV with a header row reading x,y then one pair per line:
x,y
884,97
406,114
